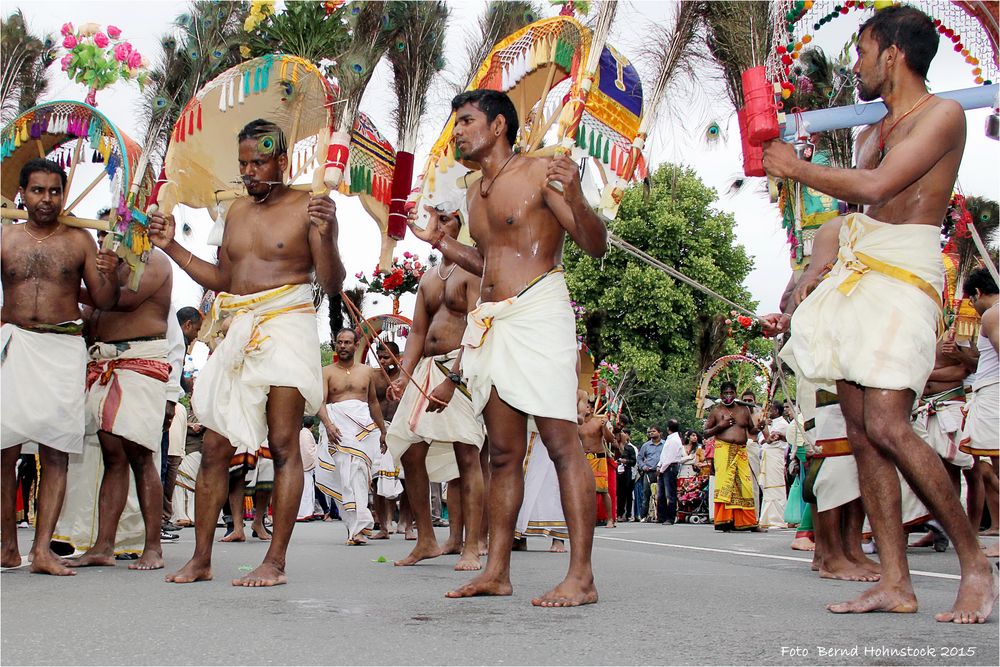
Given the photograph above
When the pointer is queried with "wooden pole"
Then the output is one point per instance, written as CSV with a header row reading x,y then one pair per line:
x,y
68,220
93,184
72,167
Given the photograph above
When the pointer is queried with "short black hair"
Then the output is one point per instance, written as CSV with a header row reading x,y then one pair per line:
x,y
981,280
349,330
493,103
390,345
261,130
909,30
41,165
673,426
188,314
727,384
103,212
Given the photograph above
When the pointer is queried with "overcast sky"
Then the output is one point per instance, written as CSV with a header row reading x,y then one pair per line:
x,y
676,138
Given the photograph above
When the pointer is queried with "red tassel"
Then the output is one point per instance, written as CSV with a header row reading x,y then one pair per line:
x,y
199,117
191,122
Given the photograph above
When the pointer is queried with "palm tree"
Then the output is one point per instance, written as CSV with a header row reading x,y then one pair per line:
x,y
25,58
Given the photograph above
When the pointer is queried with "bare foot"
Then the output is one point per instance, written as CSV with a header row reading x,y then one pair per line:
x,y
411,532
451,547
977,593
569,593
237,535
261,533
420,552
867,563
484,548
381,535
993,551
846,570
43,561
991,532
266,574
879,598
192,571
11,558
468,562
150,560
482,585
926,541
91,559
357,541
803,544
558,546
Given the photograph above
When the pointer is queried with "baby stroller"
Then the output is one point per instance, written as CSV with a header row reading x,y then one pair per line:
x,y
692,499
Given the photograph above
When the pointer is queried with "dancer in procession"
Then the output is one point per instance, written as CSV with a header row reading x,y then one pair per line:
x,y
347,447
870,326
520,350
265,371
44,362
438,436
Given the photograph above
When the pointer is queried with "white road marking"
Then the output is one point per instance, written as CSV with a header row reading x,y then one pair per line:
x,y
922,573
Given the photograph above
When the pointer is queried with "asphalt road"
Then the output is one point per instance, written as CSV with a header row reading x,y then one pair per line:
x,y
669,595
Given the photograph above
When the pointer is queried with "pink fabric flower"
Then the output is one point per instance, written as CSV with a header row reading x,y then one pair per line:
x,y
101,40
114,32
407,255
67,29
134,59
69,42
65,62
359,275
122,51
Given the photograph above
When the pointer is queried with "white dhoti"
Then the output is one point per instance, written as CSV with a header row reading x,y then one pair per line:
x,y
261,476
525,348
42,389
981,433
127,390
387,482
187,477
836,483
938,420
308,501
78,520
271,341
541,510
345,473
772,481
456,423
874,319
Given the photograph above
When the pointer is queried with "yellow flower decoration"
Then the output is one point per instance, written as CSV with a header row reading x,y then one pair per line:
x,y
244,50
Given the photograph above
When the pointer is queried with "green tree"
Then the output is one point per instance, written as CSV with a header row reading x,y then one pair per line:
x,y
652,324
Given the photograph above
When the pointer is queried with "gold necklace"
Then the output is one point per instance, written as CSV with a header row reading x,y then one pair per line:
x,y
444,278
39,240
486,193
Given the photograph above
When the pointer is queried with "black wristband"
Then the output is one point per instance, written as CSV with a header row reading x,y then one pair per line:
x,y
455,378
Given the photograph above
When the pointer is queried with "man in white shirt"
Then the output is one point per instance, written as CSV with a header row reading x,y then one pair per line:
x,y
670,457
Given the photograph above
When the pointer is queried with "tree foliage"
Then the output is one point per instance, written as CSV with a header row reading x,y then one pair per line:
x,y
652,324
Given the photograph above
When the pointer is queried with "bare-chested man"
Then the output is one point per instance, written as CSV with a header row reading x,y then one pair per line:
x,y
595,437
520,345
732,424
871,325
387,353
127,400
438,436
348,446
265,372
44,361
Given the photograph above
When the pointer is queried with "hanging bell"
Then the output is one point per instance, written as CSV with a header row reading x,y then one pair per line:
x,y
993,125
804,149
